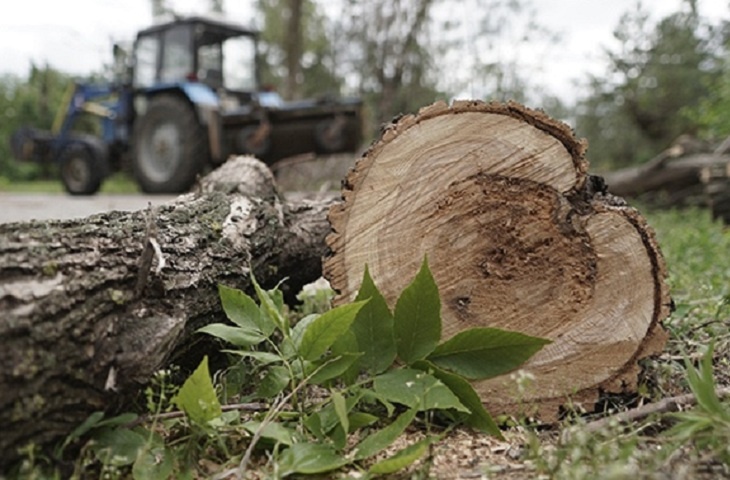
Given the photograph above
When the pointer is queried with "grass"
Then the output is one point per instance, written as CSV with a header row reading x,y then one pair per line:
x,y
119,183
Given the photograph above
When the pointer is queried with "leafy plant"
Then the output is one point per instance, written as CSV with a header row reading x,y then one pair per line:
x,y
372,362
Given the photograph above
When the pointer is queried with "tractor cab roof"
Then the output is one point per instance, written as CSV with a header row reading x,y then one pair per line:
x,y
209,28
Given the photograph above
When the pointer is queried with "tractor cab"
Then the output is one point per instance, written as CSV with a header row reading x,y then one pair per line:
x,y
199,50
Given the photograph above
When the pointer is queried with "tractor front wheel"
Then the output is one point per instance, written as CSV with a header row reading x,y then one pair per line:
x,y
169,146
83,168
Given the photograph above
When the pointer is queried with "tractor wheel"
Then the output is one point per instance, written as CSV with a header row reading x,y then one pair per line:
x,y
169,146
83,167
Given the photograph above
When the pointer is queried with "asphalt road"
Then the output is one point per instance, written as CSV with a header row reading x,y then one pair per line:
x,y
17,207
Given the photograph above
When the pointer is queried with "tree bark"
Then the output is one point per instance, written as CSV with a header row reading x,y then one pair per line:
x,y
93,307
293,40
518,237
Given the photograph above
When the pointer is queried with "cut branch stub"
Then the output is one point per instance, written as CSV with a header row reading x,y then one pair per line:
x,y
518,237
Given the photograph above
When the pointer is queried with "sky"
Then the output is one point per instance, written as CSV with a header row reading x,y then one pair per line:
x,y
76,36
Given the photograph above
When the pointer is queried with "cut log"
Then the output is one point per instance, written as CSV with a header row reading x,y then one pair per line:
x,y
518,237
93,307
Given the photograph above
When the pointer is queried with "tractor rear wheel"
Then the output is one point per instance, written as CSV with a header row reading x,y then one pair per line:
x,y
170,146
83,167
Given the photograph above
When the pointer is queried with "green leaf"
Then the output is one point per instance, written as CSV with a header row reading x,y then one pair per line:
x,y
480,353
271,307
310,458
313,423
290,348
327,418
118,447
119,420
238,336
331,367
92,421
273,431
243,311
478,417
338,401
702,384
403,458
361,419
373,328
153,463
275,380
346,346
416,389
417,319
325,329
197,397
382,439
264,358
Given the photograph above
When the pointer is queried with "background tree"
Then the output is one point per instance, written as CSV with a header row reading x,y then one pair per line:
x,y
391,49
711,113
28,102
160,9
657,73
297,52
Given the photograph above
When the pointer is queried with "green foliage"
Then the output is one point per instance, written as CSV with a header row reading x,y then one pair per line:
x,y
485,352
197,397
403,458
417,318
373,329
316,52
324,330
707,427
416,389
310,458
362,337
658,72
30,102
381,439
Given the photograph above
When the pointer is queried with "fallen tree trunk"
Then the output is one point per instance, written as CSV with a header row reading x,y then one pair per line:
x,y
678,180
518,237
93,307
677,176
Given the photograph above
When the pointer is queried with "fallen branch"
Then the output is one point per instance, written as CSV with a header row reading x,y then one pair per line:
x,y
665,405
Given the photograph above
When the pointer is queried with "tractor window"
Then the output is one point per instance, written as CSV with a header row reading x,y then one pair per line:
x,y
209,65
177,59
145,59
239,64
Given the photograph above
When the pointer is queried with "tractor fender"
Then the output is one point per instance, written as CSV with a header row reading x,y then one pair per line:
x,y
201,96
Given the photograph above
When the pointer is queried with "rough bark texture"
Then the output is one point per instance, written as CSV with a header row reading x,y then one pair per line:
x,y
518,237
91,308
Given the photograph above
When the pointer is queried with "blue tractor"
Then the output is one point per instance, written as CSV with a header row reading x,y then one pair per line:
x,y
185,98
